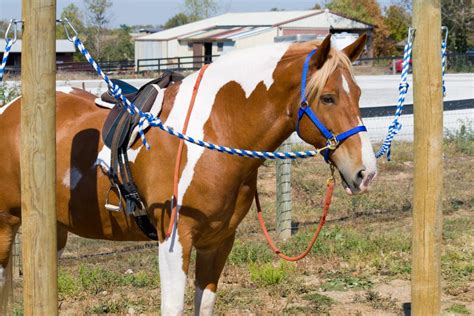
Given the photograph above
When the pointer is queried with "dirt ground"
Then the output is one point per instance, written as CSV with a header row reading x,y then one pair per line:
x,y
360,265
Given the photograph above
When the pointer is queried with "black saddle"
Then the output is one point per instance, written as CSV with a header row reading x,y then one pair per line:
x,y
116,134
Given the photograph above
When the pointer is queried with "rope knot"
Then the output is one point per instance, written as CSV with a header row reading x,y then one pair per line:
x,y
403,87
395,126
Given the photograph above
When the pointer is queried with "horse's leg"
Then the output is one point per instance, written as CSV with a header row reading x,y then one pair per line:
x,y
62,239
209,266
8,227
210,263
174,255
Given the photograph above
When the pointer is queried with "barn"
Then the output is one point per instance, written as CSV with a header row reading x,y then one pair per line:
x,y
202,40
64,53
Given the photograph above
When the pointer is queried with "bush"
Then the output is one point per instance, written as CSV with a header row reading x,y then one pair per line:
x,y
8,93
463,138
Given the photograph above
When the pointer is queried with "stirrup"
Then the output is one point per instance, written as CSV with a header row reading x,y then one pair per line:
x,y
111,207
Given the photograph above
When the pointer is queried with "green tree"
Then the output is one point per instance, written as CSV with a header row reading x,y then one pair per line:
x,y
176,20
120,45
367,11
75,16
3,27
458,16
98,18
398,21
200,9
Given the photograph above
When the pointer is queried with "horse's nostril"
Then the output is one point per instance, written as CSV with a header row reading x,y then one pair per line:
x,y
359,177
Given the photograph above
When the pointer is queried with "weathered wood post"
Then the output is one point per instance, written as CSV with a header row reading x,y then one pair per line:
x,y
38,157
283,190
428,173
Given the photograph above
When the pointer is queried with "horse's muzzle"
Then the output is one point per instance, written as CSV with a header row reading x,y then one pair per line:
x,y
359,183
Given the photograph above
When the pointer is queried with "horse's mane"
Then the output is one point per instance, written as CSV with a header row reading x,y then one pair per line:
x,y
319,79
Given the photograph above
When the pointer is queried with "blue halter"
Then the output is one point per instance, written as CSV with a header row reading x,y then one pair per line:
x,y
331,140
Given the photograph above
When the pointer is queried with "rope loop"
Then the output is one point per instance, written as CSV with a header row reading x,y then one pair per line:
x,y
395,126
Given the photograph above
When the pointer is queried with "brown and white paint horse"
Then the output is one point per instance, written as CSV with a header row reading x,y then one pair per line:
x,y
247,99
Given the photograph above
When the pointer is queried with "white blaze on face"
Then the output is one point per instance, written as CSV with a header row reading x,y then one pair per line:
x,y
345,84
368,158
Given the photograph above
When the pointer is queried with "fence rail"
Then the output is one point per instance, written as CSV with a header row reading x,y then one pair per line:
x,y
174,63
107,66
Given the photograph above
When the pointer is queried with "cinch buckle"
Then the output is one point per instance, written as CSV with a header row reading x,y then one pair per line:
x,y
332,143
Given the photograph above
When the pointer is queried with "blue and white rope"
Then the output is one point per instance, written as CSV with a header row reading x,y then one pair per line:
x,y
156,122
8,48
443,64
396,126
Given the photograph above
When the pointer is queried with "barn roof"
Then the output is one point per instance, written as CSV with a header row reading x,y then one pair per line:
x,y
225,33
310,18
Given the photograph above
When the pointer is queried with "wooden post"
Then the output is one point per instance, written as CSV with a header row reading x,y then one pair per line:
x,y
428,173
38,157
283,188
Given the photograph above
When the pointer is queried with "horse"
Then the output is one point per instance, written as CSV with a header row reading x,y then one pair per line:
x,y
247,98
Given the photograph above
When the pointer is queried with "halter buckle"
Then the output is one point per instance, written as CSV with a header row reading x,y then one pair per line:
x,y
332,143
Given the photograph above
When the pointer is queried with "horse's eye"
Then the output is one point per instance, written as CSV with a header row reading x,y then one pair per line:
x,y
328,99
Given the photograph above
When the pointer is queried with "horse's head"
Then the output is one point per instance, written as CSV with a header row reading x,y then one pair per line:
x,y
333,99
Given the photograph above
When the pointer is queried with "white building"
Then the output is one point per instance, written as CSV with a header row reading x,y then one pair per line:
x,y
219,34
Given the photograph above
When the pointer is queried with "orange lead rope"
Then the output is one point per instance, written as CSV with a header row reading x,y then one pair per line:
x,y
327,203
180,152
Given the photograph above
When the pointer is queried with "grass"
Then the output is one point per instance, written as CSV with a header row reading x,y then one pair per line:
x,y
343,282
319,299
377,301
269,274
462,139
95,279
458,309
250,252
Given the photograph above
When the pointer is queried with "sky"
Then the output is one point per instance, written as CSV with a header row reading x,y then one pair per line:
x,y
157,12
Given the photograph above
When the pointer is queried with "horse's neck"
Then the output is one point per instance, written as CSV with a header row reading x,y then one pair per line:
x,y
240,101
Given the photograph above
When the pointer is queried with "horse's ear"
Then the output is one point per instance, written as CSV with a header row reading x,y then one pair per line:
x,y
322,53
354,50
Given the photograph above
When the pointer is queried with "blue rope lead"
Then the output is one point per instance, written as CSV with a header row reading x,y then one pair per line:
x,y
395,127
8,47
8,44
